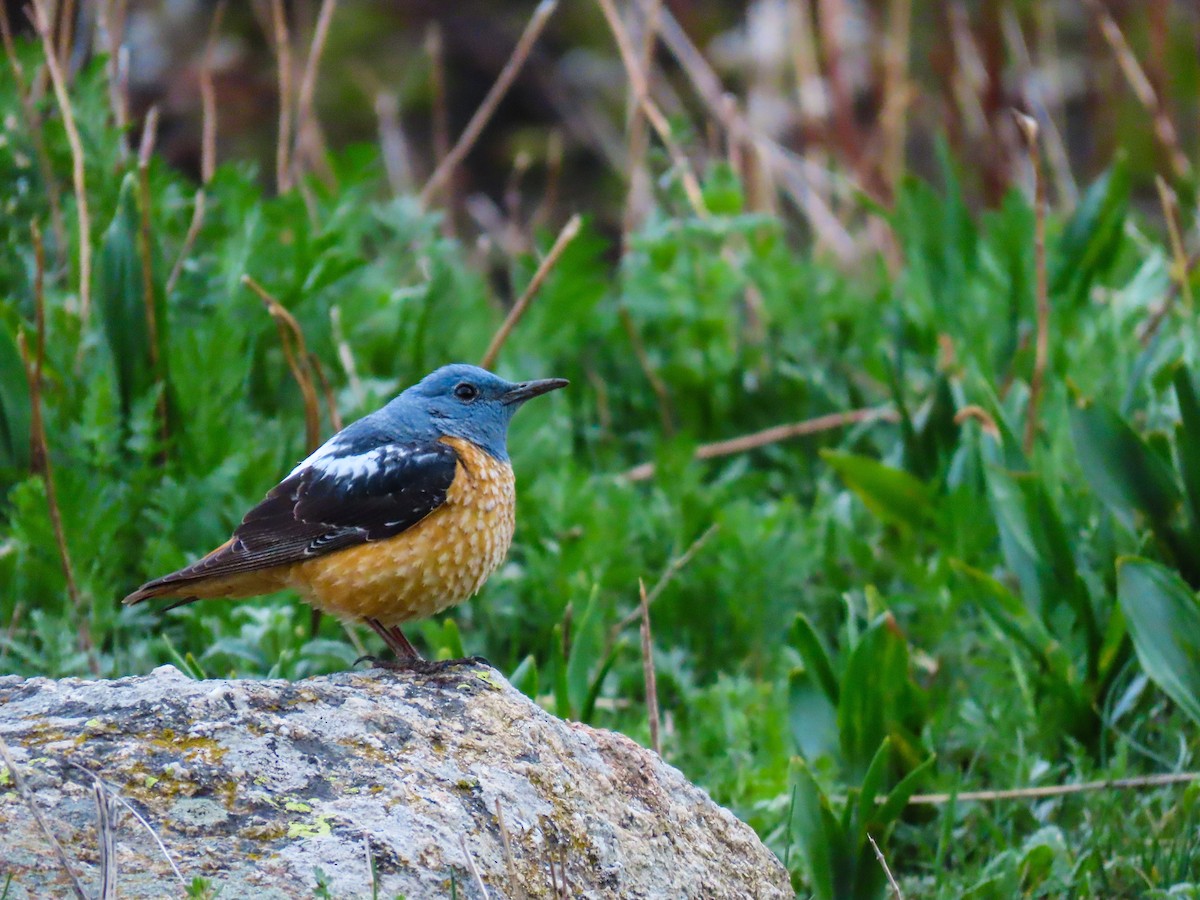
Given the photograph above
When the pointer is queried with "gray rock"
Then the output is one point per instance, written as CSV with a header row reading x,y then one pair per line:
x,y
384,779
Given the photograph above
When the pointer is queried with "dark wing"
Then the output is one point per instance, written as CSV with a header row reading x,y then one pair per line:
x,y
336,501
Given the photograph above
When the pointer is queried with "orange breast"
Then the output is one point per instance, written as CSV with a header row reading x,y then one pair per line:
x,y
440,561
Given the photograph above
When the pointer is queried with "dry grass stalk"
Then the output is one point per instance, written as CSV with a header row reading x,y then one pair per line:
x,y
662,395
638,192
33,126
18,781
641,89
494,95
309,144
886,869
773,435
568,233
335,417
42,25
1155,321
145,251
208,100
1170,207
112,17
1029,133
1058,790
1066,190
648,670
483,891
1164,128
295,352
514,884
435,49
40,449
673,568
980,415
803,181
208,147
115,794
898,94
392,145
283,52
346,355
107,840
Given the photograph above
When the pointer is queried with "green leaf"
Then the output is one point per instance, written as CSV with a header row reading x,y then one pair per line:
x,y
898,798
812,650
1164,621
1187,441
120,301
14,406
1128,476
525,677
1091,236
891,494
586,651
872,783
818,834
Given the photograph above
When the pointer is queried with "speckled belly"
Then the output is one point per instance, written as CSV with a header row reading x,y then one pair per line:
x,y
440,561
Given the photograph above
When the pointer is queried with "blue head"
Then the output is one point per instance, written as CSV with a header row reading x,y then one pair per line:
x,y
467,402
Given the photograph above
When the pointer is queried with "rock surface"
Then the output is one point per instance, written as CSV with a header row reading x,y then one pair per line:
x,y
384,779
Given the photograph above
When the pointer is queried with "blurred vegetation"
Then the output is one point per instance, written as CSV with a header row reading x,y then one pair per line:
x,y
956,590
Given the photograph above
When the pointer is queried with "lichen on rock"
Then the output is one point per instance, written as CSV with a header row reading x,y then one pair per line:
x,y
391,776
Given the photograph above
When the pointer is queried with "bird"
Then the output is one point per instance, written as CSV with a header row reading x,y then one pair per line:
x,y
400,515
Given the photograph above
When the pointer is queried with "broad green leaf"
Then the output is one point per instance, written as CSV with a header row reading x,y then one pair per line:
x,y
586,651
893,495
811,716
1126,474
1164,621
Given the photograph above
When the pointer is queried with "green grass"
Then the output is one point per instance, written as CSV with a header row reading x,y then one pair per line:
x,y
916,594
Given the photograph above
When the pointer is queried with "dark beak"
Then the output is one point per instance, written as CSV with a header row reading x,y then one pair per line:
x,y
527,390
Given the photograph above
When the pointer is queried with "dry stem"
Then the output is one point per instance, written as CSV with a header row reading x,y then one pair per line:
x,y
568,233
145,247
503,82
483,891
648,670
886,870
296,357
654,115
656,383
40,449
208,101
518,890
18,781
1029,133
307,133
283,51
1058,790
772,435
42,24
33,125
1164,128
1170,206
673,568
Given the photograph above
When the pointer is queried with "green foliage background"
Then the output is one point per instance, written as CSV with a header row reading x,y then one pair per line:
x,y
912,602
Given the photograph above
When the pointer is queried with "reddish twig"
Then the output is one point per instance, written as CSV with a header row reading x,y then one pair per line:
x,y
772,435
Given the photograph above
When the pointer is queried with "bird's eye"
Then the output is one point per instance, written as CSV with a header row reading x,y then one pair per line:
x,y
466,391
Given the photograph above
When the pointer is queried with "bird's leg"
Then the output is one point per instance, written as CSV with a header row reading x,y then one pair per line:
x,y
396,641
